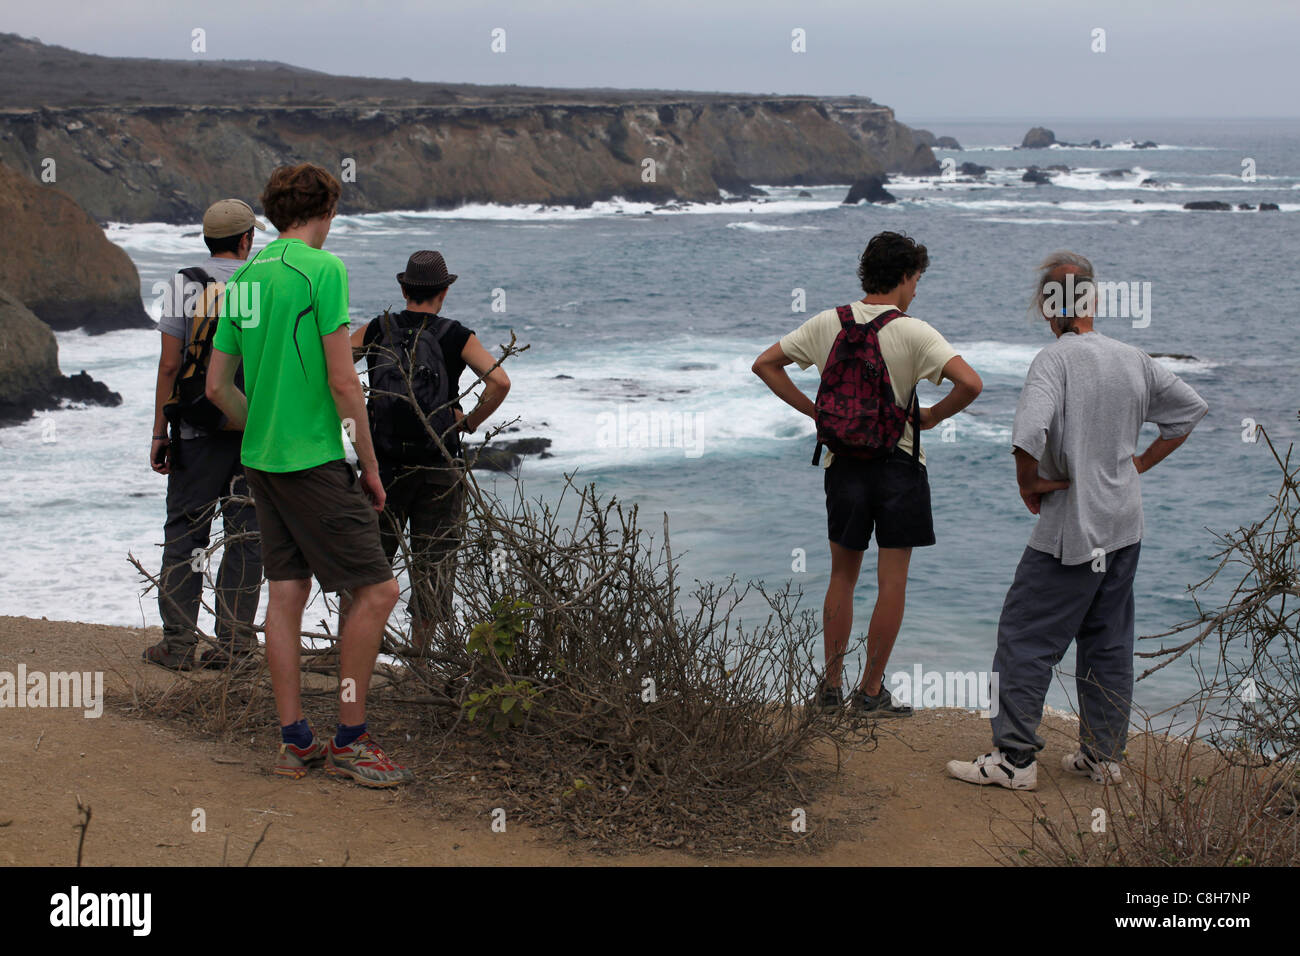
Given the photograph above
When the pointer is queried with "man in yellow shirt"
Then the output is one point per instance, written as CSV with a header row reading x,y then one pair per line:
x,y
888,492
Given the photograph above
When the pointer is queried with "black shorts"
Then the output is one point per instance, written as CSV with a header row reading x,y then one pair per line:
x,y
890,494
433,510
320,522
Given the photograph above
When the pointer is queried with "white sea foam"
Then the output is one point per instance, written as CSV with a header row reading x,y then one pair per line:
x,y
1008,360
1065,205
1249,188
1187,366
1124,145
622,208
95,499
769,227
106,503
1092,179
1084,179
158,245
1130,144
967,427
727,405
1044,222
1259,177
706,384
160,241
155,240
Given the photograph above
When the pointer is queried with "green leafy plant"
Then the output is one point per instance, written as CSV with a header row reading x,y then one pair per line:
x,y
504,705
579,786
496,637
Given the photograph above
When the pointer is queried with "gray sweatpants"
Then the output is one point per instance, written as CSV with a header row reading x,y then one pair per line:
x,y
1049,605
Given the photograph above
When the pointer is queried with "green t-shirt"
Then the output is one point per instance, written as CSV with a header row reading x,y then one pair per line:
x,y
274,312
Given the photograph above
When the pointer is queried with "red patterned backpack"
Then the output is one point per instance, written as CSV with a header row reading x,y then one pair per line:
x,y
857,414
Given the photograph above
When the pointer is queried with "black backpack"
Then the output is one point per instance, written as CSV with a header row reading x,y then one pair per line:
x,y
189,402
404,349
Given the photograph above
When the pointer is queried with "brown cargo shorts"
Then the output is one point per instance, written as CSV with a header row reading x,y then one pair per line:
x,y
318,521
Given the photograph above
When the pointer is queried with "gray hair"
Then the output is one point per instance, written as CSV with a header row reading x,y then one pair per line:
x,y
1084,279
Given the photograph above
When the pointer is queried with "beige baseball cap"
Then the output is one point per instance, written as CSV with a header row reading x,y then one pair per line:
x,y
229,217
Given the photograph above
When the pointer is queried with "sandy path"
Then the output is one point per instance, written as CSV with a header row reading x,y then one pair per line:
x,y
144,780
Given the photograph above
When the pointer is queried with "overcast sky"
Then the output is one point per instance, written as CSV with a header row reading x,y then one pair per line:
x,y
929,59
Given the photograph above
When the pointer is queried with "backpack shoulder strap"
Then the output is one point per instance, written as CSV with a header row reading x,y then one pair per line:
x,y
914,415
845,312
203,306
913,407
211,298
198,274
884,318
386,325
443,326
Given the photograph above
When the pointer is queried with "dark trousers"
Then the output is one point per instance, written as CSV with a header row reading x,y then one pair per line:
x,y
422,499
209,471
1049,605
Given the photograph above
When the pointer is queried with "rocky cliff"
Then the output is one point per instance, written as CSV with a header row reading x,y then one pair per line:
x,y
57,262
874,127
29,359
29,367
167,163
56,270
160,139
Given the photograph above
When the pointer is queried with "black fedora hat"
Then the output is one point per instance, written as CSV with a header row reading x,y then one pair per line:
x,y
426,269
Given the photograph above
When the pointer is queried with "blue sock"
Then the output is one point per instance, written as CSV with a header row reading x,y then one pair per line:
x,y
298,733
347,734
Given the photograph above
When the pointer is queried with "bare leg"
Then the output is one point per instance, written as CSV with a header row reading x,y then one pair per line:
x,y
284,645
837,611
360,636
421,638
887,618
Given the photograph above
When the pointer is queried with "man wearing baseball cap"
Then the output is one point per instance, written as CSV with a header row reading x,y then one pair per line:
x,y
200,458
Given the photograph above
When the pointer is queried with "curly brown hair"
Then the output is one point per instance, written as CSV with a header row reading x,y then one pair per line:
x,y
295,194
890,257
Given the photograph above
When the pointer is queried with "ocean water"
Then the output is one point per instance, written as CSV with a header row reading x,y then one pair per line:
x,y
642,323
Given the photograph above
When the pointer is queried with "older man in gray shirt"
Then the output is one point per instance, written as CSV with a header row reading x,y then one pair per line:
x,y
1075,442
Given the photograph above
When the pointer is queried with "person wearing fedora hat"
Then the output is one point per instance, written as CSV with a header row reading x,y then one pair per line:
x,y
201,461
426,270
423,477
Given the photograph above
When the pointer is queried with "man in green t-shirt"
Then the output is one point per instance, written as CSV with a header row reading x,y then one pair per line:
x,y
285,314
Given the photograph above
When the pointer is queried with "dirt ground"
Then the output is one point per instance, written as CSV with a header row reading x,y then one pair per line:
x,y
144,779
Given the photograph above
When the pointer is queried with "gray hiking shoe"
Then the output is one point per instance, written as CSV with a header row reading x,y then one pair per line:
x,y
883,704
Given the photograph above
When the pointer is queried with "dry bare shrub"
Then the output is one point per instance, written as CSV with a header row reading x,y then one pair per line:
x,y
1182,803
583,687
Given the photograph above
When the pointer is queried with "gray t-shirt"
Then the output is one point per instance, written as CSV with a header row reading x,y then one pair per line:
x,y
174,319
1080,412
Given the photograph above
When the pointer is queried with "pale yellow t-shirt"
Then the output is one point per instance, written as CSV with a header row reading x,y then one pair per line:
x,y
912,349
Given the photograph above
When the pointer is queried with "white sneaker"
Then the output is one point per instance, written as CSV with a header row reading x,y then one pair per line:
x,y
1103,772
993,768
